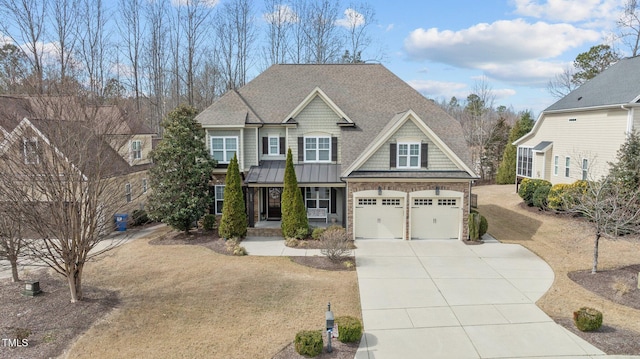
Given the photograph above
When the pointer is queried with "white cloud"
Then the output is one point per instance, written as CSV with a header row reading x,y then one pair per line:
x,y
568,10
529,72
5,40
389,27
282,14
503,41
352,19
432,88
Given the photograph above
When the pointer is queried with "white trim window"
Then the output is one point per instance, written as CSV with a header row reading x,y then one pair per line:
x,y
274,146
556,165
317,149
317,197
408,155
127,192
567,165
585,169
223,148
525,161
30,151
219,200
136,149
145,185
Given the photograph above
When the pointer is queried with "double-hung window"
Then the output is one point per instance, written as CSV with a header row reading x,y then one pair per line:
x,y
585,169
127,192
274,146
556,165
219,199
408,155
317,149
223,148
567,165
136,149
30,151
145,186
525,161
317,197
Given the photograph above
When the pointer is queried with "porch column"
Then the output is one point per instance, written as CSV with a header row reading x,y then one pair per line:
x,y
250,207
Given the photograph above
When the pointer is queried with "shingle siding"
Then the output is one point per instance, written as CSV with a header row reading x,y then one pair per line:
x,y
315,119
249,147
437,160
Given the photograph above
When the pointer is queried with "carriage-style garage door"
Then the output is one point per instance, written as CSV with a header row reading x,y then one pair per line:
x,y
435,218
379,217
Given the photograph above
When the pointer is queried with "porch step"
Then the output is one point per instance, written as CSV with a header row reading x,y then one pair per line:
x,y
264,232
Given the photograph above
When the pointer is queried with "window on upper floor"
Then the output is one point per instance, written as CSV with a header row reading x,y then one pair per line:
x,y
30,151
408,155
525,161
136,149
274,146
223,148
317,149
127,192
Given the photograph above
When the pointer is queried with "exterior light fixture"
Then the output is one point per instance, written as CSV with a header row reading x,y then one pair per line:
x,y
379,191
437,190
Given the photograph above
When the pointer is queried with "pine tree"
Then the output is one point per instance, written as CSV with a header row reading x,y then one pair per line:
x,y
507,170
294,215
234,218
180,178
626,169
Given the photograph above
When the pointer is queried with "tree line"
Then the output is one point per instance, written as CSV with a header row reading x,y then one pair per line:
x,y
163,53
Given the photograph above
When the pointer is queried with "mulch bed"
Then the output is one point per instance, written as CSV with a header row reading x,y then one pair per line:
x,y
211,240
340,350
49,319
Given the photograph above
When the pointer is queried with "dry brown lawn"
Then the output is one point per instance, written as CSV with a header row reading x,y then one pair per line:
x,y
567,245
183,301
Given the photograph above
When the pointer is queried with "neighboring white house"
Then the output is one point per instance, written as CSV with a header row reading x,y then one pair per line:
x,y
578,136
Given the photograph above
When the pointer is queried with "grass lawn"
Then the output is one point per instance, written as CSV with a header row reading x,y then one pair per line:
x,y
566,244
189,302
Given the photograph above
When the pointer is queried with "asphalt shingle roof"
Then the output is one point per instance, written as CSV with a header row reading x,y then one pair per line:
x,y
369,94
617,85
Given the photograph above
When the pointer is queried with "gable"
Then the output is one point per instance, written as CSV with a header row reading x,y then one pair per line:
x,y
436,158
408,127
314,96
315,119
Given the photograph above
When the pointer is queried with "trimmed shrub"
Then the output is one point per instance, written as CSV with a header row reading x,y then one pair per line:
x,y
349,329
484,226
139,217
335,244
309,342
540,196
233,222
587,319
474,226
556,199
317,233
528,187
209,222
302,233
294,214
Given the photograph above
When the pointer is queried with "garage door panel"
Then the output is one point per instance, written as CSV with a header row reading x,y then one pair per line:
x,y
435,218
379,218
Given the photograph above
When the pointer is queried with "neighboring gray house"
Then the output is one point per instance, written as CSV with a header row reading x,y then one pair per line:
x,y
576,137
370,152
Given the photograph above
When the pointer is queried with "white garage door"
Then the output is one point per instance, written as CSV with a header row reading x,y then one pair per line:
x,y
435,218
377,217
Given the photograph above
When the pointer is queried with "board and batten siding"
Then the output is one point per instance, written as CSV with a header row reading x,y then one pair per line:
x,y
594,135
249,148
437,160
316,119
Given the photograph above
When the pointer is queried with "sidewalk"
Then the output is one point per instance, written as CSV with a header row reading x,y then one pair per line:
x,y
274,246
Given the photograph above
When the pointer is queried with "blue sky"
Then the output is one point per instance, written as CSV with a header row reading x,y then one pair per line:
x,y
443,48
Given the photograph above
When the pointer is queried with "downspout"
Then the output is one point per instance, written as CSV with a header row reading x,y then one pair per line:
x,y
630,111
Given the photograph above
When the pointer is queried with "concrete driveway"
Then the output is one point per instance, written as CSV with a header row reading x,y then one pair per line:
x,y
445,299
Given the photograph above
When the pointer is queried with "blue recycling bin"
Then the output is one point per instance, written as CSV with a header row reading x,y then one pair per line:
x,y
121,221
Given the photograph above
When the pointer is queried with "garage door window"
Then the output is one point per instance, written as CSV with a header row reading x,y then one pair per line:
x,y
423,202
367,201
447,202
391,201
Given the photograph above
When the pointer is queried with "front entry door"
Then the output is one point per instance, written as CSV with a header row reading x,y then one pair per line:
x,y
273,203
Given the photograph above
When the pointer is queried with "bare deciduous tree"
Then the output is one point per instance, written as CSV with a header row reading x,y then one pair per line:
x,y
323,38
235,33
358,19
93,46
64,19
155,60
12,244
280,18
562,83
132,30
66,188
629,26
24,22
